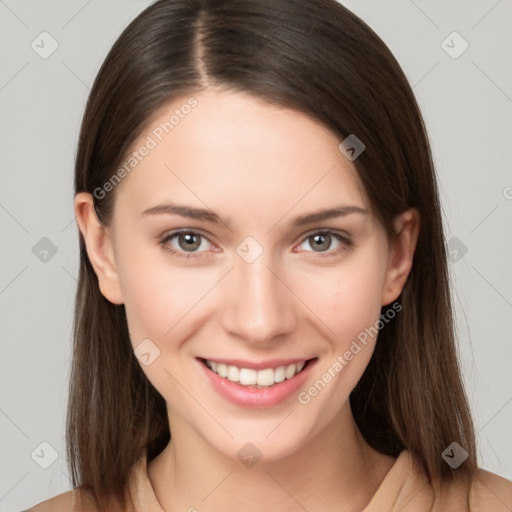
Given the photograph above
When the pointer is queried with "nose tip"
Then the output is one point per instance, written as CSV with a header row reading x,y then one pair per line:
x,y
258,306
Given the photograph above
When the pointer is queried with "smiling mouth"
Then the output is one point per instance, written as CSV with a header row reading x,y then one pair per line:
x,y
264,378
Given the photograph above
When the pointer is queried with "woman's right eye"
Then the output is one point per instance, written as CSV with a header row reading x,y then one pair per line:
x,y
186,244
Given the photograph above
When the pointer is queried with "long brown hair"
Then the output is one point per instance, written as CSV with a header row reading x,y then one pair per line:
x,y
317,57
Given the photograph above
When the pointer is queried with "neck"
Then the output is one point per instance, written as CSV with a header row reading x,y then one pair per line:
x,y
336,470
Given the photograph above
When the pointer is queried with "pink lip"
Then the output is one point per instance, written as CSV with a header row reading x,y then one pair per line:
x,y
256,397
275,363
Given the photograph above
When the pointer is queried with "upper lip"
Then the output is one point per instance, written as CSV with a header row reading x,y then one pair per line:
x,y
274,363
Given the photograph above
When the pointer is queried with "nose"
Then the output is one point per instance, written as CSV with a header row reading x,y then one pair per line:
x,y
258,307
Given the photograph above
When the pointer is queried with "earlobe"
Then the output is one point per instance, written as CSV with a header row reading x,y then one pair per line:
x,y
407,226
99,247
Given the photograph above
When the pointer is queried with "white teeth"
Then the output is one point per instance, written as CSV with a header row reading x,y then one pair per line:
x,y
280,374
233,374
290,371
258,378
247,377
222,370
265,377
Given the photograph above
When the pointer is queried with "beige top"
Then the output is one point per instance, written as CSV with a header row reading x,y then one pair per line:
x,y
405,488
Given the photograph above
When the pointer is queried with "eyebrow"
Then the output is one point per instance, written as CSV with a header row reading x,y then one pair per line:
x,y
210,216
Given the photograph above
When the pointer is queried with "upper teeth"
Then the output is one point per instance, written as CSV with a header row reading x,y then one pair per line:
x,y
250,377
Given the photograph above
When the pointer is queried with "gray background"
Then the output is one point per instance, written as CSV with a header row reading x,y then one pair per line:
x,y
467,105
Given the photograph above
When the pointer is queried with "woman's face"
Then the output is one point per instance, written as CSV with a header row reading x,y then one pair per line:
x,y
251,284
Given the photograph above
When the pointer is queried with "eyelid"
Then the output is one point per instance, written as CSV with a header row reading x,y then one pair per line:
x,y
331,231
344,238
170,235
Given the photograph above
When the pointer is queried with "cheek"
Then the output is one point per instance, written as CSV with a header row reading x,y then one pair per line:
x,y
157,305
346,299
158,296
349,303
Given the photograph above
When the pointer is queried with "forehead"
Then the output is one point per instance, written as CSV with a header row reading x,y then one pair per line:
x,y
232,151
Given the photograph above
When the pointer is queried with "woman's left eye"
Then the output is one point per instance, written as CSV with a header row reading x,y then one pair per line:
x,y
322,240
189,242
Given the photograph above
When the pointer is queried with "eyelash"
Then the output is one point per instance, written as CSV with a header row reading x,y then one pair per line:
x,y
346,242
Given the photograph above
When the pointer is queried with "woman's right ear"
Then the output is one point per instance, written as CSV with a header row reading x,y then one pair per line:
x,y
99,247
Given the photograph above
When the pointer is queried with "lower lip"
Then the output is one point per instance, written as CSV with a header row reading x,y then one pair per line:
x,y
257,397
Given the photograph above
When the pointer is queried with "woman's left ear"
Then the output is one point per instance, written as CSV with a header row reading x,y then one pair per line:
x,y
401,253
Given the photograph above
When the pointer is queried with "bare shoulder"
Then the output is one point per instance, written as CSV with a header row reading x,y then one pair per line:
x,y
491,492
70,501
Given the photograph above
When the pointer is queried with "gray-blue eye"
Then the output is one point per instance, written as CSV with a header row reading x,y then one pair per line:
x,y
187,242
321,241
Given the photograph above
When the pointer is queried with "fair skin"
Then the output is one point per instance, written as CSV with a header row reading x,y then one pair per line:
x,y
257,166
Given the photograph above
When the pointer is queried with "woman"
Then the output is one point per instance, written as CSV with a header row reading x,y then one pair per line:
x,y
263,316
